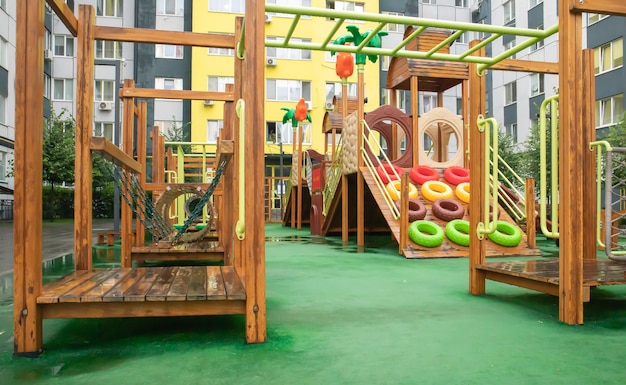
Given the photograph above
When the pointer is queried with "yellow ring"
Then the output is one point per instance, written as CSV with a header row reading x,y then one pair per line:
x,y
463,192
434,189
393,189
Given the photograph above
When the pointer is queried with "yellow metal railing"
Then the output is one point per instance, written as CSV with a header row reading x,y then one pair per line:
x,y
240,226
554,152
517,210
491,181
599,145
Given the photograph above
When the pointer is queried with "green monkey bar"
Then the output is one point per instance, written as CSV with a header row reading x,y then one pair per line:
x,y
531,36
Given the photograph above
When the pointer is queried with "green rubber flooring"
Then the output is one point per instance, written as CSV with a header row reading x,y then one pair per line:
x,y
338,316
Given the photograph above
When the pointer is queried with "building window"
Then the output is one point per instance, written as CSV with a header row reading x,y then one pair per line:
x,y
230,6
64,45
609,56
333,89
429,1
595,17
218,83
170,7
393,27
3,53
166,51
277,132
509,11
168,83
481,35
510,93
3,109
111,8
609,111
429,101
288,90
297,3
538,44
63,89
509,45
108,49
46,86
287,53
534,3
349,6
463,38
3,4
459,106
104,90
385,62
511,130
104,129
3,165
536,84
221,51
213,128
462,3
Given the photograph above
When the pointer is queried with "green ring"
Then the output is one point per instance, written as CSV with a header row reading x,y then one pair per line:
x,y
506,234
457,231
426,233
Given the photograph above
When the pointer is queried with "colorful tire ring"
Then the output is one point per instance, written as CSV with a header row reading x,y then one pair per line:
x,y
426,233
462,192
457,232
434,189
456,175
422,174
393,188
448,209
386,172
417,210
506,234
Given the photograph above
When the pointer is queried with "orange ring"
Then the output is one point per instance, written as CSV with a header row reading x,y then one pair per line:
x,y
434,189
463,192
393,189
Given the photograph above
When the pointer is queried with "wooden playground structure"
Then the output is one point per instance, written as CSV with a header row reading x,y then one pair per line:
x,y
238,287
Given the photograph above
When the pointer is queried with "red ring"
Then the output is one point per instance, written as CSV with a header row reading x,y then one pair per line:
x,y
417,210
447,209
456,175
422,174
387,175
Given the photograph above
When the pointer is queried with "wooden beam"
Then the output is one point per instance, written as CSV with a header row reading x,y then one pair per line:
x,y
127,146
608,7
572,219
27,229
531,213
142,126
114,154
175,94
65,14
589,161
543,287
142,35
84,128
526,66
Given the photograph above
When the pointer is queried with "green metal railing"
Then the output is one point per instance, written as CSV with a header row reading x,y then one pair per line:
x,y
599,146
342,18
491,181
554,180
517,210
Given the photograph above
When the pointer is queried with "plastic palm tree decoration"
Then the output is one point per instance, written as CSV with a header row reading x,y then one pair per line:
x,y
356,37
297,114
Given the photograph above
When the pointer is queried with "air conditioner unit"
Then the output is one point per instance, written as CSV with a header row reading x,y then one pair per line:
x,y
47,54
270,61
209,102
268,18
105,106
329,106
309,105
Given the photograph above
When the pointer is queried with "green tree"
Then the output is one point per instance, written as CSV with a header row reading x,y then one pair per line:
x,y
58,152
512,153
531,161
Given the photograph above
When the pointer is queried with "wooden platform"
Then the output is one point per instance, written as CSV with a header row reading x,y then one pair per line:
x,y
196,251
447,249
141,292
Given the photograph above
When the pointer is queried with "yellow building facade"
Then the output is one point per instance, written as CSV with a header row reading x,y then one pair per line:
x,y
290,75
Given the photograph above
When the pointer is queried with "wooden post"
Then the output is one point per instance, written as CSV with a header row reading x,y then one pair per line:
x,y
415,119
142,107
158,154
237,246
253,80
127,146
84,128
531,213
464,141
589,135
571,148
477,252
27,276
360,182
404,211
226,216
300,179
344,179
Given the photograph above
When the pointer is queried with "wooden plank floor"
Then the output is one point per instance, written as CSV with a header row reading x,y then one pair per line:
x,y
596,272
196,251
447,249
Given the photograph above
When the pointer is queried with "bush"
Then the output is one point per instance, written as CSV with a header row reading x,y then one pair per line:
x,y
64,202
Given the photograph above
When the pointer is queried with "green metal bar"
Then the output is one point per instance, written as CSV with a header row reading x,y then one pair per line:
x,y
332,32
180,166
445,42
552,101
240,226
599,145
292,28
491,182
370,36
406,41
480,45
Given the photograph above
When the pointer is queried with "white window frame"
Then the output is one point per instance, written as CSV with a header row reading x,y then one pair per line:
x,y
537,84
287,53
213,128
286,133
221,51
428,102
168,51
335,88
3,4
100,129
600,52
295,90
3,52
66,39
614,108
432,2
394,27
47,86
507,46
167,83
162,8
539,44
463,3
350,6
511,129
3,110
593,18
509,11
67,87
510,93
218,83
103,84
227,6
534,3
103,10
3,165
101,49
